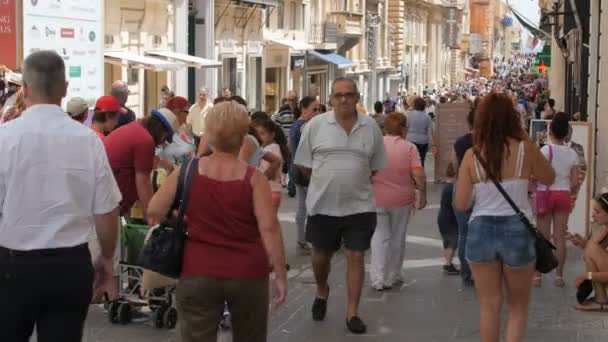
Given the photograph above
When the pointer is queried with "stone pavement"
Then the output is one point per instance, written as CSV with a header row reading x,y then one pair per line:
x,y
429,307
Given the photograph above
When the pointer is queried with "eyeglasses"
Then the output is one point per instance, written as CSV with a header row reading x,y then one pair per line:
x,y
316,109
347,96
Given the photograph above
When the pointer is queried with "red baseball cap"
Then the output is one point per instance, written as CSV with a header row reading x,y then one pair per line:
x,y
108,104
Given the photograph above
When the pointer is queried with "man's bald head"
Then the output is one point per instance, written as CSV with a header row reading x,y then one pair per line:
x,y
120,91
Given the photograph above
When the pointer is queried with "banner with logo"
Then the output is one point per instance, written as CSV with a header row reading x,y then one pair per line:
x,y
8,34
74,29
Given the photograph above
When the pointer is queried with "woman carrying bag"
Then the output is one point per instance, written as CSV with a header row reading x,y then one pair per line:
x,y
500,248
233,237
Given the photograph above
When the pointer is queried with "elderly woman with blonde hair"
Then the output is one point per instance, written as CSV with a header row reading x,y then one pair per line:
x,y
233,236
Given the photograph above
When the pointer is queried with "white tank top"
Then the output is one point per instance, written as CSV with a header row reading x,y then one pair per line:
x,y
490,202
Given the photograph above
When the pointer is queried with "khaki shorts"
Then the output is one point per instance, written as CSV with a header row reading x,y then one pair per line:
x,y
95,248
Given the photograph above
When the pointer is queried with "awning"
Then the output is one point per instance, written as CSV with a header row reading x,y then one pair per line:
x,y
272,3
191,61
140,62
333,58
293,44
527,24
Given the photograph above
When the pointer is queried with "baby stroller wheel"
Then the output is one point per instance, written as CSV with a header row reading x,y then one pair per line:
x,y
158,316
170,318
113,312
124,313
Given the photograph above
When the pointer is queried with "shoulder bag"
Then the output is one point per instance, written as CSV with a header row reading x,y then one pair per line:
x,y
545,259
163,251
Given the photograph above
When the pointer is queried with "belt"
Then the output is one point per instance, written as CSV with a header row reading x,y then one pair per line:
x,y
44,252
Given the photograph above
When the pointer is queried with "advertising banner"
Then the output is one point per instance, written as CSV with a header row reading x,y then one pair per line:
x,y
8,34
74,29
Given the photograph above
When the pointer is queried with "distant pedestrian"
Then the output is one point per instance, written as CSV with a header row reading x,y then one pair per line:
x,y
286,116
420,128
448,225
341,150
379,115
197,113
56,186
121,92
395,188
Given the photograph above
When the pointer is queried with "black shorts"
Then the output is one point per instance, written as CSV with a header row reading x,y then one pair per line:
x,y
327,233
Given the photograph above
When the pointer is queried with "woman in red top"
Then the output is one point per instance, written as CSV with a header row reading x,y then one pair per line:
x,y
233,237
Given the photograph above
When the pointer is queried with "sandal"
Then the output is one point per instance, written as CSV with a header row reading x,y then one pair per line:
x,y
592,307
559,281
537,281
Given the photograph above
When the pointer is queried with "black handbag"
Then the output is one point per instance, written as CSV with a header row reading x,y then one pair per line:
x,y
545,259
164,250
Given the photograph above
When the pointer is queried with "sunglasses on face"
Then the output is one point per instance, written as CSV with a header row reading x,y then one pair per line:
x,y
347,96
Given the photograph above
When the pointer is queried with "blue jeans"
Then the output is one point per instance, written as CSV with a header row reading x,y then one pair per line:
x,y
462,217
502,239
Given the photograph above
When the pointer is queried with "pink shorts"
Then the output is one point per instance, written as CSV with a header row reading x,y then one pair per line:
x,y
276,199
546,202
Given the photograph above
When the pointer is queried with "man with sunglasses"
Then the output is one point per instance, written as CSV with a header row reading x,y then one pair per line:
x,y
341,150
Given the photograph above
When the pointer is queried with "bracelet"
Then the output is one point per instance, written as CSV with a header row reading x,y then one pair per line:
x,y
589,275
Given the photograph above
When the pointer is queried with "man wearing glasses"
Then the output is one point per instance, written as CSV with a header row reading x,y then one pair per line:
x,y
341,150
197,113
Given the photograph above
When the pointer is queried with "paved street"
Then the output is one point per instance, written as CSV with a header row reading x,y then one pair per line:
x,y
429,307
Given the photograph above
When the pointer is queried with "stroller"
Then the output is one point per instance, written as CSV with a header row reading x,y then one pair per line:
x,y
133,299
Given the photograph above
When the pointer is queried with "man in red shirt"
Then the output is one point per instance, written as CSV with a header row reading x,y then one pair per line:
x,y
131,150
106,114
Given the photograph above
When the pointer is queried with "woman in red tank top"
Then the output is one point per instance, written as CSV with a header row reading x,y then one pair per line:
x,y
233,237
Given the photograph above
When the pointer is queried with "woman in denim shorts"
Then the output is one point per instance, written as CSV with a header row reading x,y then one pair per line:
x,y
499,247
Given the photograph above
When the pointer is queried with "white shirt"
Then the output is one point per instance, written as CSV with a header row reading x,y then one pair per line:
x,y
196,117
54,177
564,159
341,164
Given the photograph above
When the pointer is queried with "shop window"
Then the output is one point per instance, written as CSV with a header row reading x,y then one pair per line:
x,y
292,16
229,75
280,15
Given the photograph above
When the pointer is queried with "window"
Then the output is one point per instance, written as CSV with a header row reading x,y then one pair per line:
x,y
303,18
280,15
292,16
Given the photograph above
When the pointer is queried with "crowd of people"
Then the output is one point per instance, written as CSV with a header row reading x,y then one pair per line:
x,y
358,178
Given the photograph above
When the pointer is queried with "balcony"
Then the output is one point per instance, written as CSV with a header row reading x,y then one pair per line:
x,y
348,24
323,36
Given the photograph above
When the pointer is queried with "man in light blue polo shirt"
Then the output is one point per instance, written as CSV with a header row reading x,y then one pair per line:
x,y
341,150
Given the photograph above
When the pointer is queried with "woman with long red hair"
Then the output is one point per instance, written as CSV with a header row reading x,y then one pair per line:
x,y
500,249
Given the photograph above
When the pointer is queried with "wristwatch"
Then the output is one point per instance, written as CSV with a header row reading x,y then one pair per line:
x,y
590,275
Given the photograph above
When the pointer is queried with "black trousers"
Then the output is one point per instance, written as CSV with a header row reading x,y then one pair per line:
x,y
422,150
48,289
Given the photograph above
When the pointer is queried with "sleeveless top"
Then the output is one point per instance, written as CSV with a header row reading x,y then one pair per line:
x,y
223,237
490,202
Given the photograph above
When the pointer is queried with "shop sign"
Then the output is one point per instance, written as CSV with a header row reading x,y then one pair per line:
x,y
277,58
297,62
71,28
8,34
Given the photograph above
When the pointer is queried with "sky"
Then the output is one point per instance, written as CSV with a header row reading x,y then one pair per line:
x,y
529,8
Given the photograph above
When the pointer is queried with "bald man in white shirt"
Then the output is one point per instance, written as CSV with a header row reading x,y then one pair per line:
x,y
56,185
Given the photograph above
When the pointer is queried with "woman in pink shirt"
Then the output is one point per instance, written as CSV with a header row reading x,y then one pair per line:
x,y
395,198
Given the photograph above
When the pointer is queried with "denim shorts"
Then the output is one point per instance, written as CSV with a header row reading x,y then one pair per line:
x,y
502,239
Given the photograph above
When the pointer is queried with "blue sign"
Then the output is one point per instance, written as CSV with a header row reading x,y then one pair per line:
x,y
507,21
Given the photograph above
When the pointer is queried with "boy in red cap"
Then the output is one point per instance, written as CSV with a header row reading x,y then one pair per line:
x,y
106,114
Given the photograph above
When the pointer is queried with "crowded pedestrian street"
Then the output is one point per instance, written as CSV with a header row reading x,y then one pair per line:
x,y
303,170
429,306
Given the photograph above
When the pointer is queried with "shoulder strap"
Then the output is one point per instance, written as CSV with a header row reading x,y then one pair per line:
x,y
520,160
185,180
550,153
519,213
